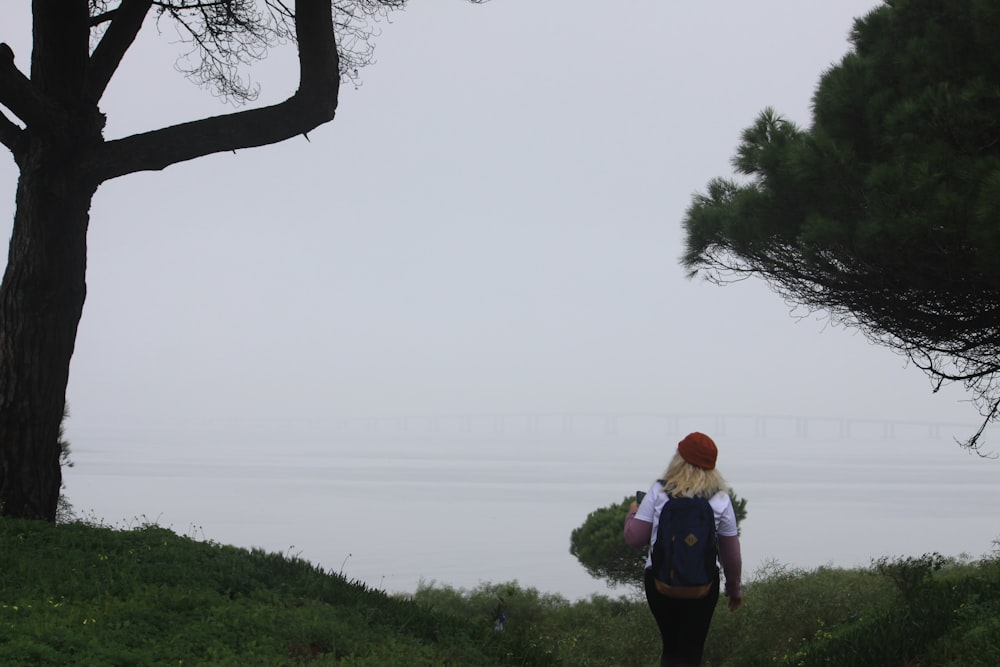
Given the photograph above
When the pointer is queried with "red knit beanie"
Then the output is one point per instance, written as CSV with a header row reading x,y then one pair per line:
x,y
698,450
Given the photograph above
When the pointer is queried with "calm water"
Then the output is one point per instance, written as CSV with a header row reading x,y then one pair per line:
x,y
462,508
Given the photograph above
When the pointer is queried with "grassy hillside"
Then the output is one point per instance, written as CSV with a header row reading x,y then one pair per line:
x,y
77,594
80,594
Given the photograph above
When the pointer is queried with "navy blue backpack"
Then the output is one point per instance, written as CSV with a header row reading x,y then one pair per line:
x,y
686,550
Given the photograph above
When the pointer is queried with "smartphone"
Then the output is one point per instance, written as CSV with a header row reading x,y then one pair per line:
x,y
639,495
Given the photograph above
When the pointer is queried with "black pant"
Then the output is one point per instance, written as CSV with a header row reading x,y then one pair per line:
x,y
683,624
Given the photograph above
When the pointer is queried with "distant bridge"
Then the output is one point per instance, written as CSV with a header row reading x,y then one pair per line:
x,y
642,424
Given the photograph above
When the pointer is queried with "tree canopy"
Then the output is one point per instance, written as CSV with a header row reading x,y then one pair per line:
x,y
885,212
599,547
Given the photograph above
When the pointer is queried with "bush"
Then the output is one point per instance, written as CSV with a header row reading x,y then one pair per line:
x,y
909,574
786,609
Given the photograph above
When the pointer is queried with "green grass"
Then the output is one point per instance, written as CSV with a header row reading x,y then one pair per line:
x,y
78,594
84,594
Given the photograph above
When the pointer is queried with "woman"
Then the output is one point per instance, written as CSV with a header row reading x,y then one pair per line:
x,y
684,623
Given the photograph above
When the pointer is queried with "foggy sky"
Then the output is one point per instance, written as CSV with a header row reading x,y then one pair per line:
x,y
492,223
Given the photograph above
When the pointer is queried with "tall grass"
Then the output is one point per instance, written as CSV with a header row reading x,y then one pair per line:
x,y
596,632
786,610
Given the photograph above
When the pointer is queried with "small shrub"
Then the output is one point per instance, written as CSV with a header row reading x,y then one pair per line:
x,y
911,573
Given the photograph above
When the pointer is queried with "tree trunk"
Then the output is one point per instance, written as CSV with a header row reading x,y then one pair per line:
x,y
41,301
62,159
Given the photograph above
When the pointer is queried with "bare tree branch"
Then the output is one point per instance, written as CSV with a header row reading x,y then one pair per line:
x,y
10,135
19,95
121,32
224,37
313,104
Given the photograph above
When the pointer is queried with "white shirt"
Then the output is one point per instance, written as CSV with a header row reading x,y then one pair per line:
x,y
656,498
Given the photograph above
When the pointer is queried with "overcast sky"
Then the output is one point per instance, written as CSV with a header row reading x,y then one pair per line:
x,y
492,223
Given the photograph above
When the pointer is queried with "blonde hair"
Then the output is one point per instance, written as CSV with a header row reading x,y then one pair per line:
x,y
681,479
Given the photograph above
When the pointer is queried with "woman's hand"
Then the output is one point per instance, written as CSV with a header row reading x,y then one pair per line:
x,y
634,507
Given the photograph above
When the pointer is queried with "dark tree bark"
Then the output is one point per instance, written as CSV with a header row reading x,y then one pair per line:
x,y
43,289
41,301
63,159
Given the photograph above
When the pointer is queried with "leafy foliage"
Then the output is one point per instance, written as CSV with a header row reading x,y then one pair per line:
x,y
64,510
884,213
595,632
600,548
957,602
909,574
786,610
